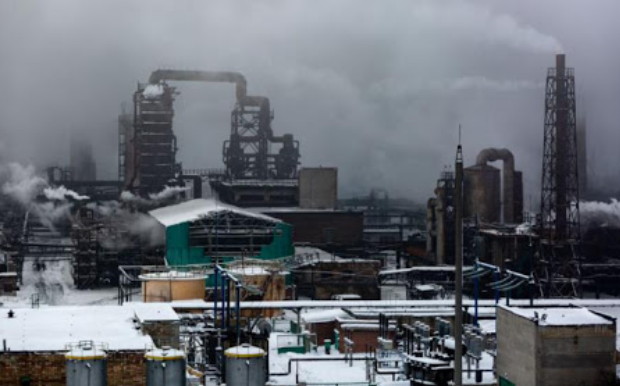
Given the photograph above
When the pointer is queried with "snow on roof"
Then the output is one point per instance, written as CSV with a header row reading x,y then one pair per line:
x,y
324,316
173,275
193,210
561,316
154,312
52,328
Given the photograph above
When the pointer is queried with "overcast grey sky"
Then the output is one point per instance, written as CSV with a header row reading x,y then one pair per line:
x,y
376,88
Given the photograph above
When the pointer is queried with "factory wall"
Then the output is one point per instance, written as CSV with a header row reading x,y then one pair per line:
x,y
318,188
516,345
324,228
322,280
179,252
48,368
163,333
583,355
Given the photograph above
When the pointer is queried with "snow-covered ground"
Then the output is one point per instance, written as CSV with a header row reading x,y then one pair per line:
x,y
317,371
51,282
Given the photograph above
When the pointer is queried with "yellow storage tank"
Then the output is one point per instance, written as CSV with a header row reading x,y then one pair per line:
x,y
172,285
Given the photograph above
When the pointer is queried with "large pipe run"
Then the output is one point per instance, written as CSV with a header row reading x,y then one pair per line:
x,y
203,76
224,77
505,155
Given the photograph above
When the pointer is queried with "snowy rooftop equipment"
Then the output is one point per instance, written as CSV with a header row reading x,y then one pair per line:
x,y
193,210
154,312
51,328
560,316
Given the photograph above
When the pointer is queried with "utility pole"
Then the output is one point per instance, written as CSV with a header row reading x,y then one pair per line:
x,y
458,267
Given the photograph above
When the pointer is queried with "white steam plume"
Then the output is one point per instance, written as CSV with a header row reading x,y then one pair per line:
x,y
22,184
600,214
61,194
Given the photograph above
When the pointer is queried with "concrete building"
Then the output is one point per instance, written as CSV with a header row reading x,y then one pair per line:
x,y
555,346
318,188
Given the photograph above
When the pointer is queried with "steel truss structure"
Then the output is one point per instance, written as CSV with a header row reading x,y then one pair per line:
x,y
558,272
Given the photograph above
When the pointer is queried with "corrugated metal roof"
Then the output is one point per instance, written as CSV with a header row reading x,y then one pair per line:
x,y
195,209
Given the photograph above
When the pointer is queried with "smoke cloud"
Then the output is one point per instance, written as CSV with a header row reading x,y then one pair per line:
x,y
599,214
377,90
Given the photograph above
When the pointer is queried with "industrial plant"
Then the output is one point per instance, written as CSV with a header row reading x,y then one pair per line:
x,y
268,268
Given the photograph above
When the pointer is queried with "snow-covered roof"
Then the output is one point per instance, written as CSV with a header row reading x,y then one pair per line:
x,y
560,316
52,328
193,210
154,312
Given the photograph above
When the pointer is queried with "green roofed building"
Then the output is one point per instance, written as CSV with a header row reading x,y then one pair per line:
x,y
203,231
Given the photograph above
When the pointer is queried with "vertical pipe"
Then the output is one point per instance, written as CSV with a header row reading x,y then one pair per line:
x,y
496,278
215,284
228,303
458,269
223,321
238,312
476,296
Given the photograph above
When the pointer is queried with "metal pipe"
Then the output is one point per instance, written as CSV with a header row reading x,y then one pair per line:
x,y
319,359
228,303
215,278
203,76
223,321
458,268
238,311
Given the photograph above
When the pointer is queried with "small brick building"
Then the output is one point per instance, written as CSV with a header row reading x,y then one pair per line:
x,y
34,341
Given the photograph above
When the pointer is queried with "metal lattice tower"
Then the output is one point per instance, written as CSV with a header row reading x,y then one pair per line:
x,y
560,186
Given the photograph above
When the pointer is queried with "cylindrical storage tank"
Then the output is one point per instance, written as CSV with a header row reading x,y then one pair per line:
x,y
172,285
86,364
165,367
246,366
481,194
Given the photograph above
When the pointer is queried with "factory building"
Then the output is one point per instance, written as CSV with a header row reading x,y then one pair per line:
x,y
490,197
555,346
203,231
36,341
